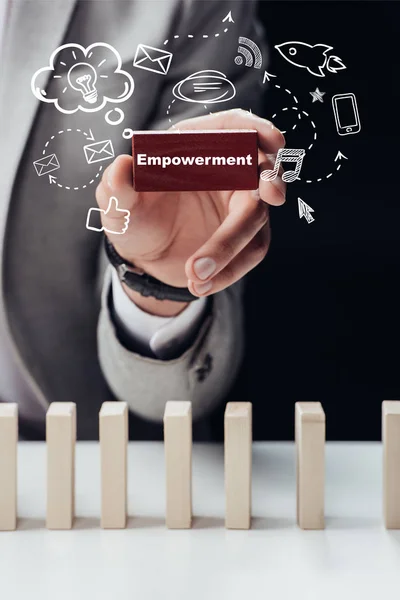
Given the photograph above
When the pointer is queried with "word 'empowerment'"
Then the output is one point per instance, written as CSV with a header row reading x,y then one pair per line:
x,y
166,161
173,161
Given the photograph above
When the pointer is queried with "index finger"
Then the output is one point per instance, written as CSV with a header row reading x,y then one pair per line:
x,y
270,139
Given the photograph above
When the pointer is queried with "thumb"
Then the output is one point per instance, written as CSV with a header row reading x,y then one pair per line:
x,y
112,207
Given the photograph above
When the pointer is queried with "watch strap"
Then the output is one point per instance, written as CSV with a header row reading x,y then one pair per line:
x,y
143,283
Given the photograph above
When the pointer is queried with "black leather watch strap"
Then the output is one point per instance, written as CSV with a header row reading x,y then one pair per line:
x,y
136,279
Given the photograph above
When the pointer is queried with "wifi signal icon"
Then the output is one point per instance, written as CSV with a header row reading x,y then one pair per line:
x,y
250,52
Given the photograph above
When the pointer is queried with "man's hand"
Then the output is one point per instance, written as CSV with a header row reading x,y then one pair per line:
x,y
204,240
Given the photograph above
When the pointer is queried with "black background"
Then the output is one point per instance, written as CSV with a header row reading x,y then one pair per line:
x,y
322,310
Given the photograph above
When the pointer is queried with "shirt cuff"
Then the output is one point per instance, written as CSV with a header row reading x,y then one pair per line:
x,y
165,336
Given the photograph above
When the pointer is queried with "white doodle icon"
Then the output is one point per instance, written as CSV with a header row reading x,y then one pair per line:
x,y
345,110
250,52
267,76
285,155
152,59
313,58
228,18
305,211
128,133
205,87
317,96
83,78
113,211
98,151
46,165
119,112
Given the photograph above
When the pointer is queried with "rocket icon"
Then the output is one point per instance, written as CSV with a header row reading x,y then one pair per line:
x,y
313,58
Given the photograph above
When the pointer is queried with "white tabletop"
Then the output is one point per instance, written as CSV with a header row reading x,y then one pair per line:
x,y
354,558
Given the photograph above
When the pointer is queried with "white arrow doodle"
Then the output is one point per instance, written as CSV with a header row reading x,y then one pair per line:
x,y
338,157
305,211
190,36
267,76
52,179
228,18
90,137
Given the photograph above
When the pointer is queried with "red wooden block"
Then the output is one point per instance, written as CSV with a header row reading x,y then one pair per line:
x,y
195,160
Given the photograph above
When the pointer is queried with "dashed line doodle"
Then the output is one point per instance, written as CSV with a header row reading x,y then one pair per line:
x,y
338,157
279,87
169,112
53,180
204,36
286,108
299,113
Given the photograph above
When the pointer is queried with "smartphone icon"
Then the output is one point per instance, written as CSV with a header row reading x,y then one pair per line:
x,y
346,114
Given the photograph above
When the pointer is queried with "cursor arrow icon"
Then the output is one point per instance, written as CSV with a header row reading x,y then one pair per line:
x,y
52,179
228,18
305,211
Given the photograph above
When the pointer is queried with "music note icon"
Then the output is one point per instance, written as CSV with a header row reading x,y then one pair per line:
x,y
285,155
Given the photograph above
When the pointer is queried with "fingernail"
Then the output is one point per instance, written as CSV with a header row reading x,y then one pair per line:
x,y
204,267
110,174
202,288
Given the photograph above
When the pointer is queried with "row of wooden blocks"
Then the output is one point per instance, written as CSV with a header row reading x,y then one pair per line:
x,y
113,434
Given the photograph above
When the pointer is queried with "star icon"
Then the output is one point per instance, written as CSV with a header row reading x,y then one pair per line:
x,y
317,95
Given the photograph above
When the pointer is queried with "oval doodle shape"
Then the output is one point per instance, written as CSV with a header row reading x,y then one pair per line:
x,y
205,87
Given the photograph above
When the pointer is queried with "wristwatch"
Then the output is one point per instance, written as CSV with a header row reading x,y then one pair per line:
x,y
136,279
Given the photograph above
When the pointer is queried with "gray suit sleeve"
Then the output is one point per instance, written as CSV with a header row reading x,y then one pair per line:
x,y
204,373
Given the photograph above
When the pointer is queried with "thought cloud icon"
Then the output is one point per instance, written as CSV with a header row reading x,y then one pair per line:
x,y
205,87
79,78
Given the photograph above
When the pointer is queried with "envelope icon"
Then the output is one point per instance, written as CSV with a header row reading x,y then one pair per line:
x,y
152,59
46,165
98,151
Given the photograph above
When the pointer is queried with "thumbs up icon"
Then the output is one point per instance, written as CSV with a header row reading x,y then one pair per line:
x,y
119,217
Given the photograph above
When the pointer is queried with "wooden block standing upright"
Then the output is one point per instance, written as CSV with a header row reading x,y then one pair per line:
x,y
178,464
60,438
238,446
8,466
113,428
310,451
391,463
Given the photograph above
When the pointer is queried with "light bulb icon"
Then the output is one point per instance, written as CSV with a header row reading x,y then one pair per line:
x,y
82,77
